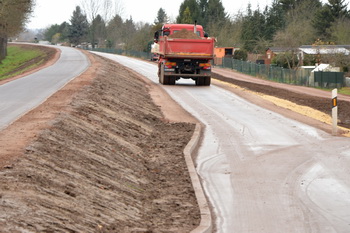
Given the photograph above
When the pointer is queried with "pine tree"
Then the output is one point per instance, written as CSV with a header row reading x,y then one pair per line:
x,y
115,30
203,8
161,17
193,9
338,8
98,34
327,15
215,13
253,29
208,13
79,27
275,19
187,16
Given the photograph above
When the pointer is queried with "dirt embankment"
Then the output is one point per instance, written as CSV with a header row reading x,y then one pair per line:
x,y
108,162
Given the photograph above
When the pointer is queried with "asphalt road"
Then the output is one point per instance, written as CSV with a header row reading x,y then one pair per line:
x,y
21,95
261,171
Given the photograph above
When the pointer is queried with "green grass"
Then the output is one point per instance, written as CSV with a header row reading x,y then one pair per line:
x,y
16,61
344,91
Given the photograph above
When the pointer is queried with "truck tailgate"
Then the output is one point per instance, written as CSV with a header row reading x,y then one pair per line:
x,y
186,48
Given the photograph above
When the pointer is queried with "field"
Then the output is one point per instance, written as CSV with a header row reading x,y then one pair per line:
x,y
22,58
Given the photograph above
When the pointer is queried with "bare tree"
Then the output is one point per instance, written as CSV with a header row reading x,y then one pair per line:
x,y
299,31
106,13
91,9
340,31
99,12
111,8
107,9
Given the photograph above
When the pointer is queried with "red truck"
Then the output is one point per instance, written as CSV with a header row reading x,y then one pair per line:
x,y
185,51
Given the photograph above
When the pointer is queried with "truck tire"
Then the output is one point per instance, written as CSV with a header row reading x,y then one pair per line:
x,y
207,81
199,81
166,80
171,80
161,74
163,79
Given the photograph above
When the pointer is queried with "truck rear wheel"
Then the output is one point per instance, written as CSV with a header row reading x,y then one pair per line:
x,y
166,80
171,80
161,74
203,81
199,81
207,81
163,79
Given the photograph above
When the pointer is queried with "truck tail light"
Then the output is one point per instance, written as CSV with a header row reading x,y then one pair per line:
x,y
205,66
169,65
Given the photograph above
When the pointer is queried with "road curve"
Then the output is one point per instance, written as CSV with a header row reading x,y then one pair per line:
x,y
261,171
20,96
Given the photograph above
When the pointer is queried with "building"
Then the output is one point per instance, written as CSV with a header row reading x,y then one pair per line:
x,y
221,52
274,51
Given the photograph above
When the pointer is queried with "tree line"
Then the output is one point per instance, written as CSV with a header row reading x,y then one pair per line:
x,y
285,23
89,24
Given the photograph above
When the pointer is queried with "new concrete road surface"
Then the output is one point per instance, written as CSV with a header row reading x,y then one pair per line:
x,y
20,96
261,171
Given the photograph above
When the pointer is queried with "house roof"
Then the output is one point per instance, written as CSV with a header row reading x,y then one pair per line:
x,y
326,49
321,67
277,50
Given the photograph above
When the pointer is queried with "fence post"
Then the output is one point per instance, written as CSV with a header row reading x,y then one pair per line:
x,y
334,111
281,77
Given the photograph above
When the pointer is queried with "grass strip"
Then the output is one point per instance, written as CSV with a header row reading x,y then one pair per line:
x,y
18,60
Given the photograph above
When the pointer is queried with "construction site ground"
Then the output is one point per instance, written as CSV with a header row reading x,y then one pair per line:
x,y
105,154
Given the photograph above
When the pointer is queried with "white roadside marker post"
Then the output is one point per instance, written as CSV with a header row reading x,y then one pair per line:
x,y
334,111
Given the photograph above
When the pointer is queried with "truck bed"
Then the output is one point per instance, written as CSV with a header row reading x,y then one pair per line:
x,y
186,48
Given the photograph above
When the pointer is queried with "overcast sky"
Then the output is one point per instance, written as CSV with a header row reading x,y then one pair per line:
x,y
48,12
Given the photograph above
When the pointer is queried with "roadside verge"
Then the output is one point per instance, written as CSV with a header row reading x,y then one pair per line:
x,y
172,112
304,104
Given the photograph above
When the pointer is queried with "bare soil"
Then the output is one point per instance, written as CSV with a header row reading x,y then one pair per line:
x,y
185,34
98,156
311,97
